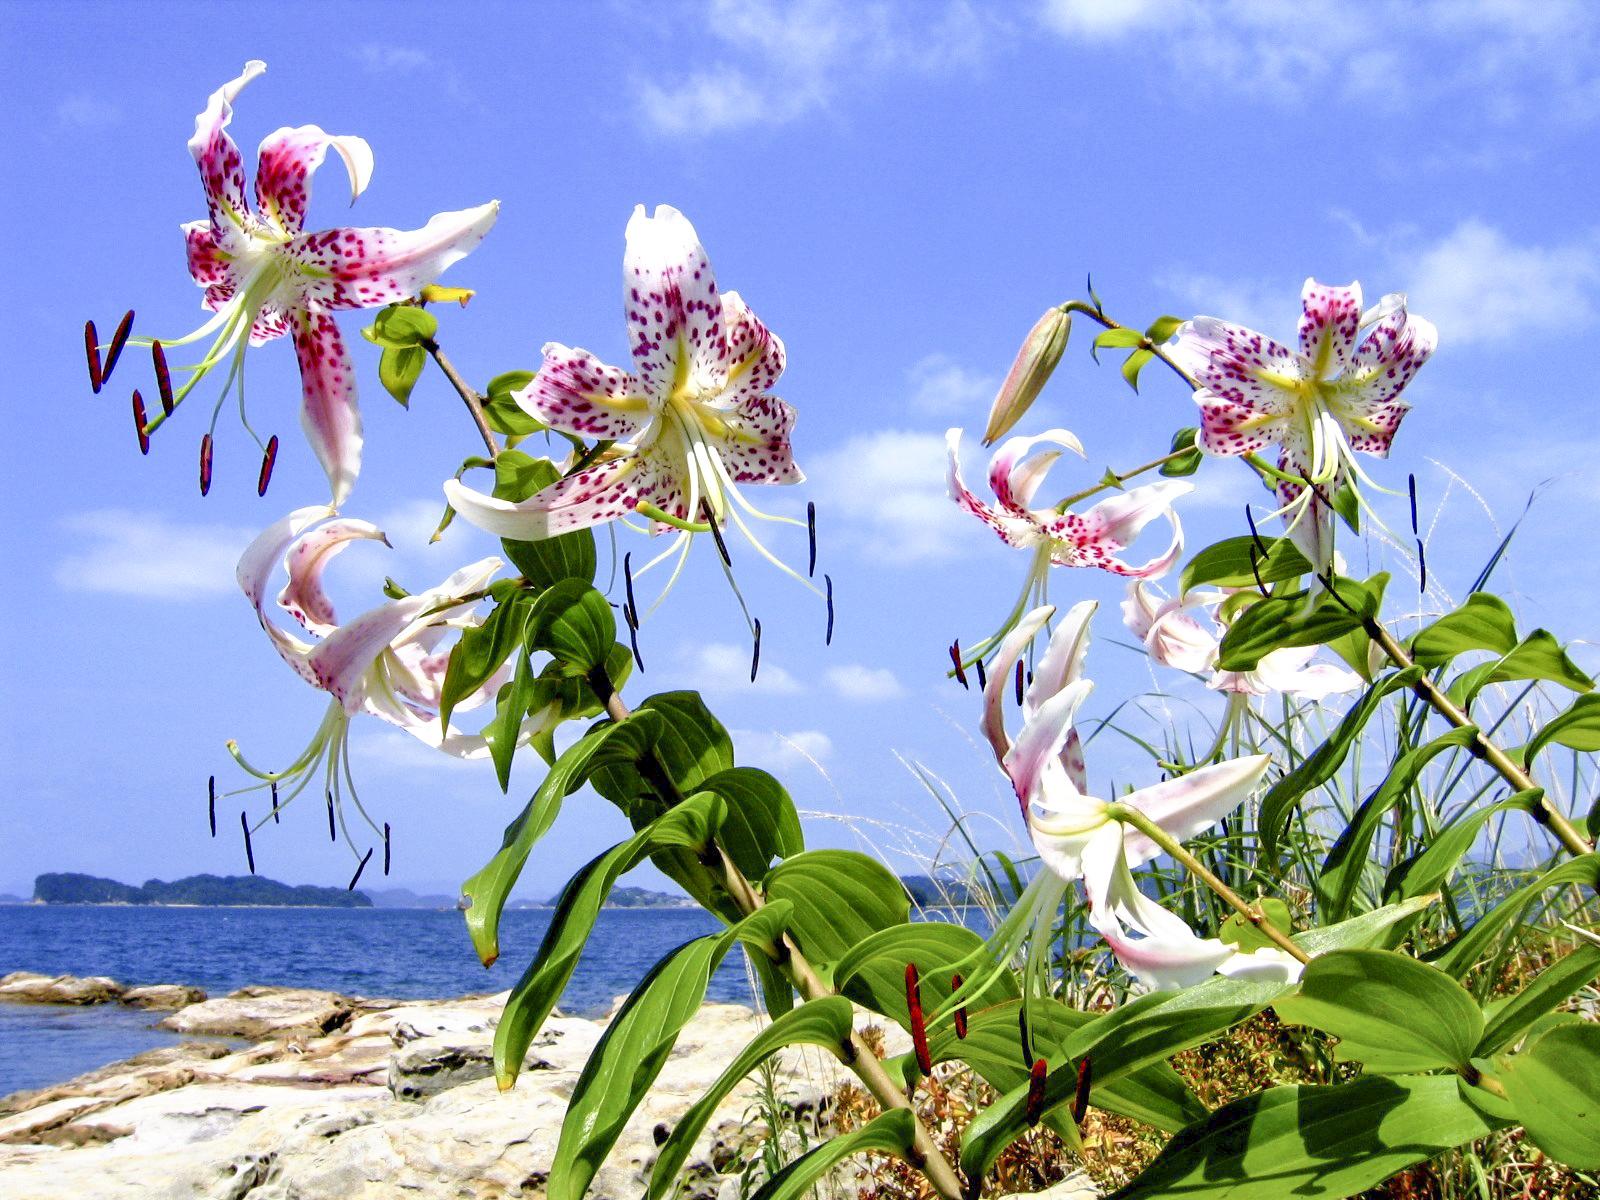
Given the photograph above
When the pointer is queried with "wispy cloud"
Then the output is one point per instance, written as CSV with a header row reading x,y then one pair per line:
x,y
384,59
769,62
83,111
942,387
721,667
149,556
779,751
866,684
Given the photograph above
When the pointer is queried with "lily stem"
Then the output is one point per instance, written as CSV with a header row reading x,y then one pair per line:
x,y
1100,318
856,1053
1546,813
1174,849
468,394
1119,478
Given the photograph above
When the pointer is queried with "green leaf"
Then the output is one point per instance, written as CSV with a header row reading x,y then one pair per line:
x,y
1133,364
1188,463
504,414
481,650
1578,728
1300,620
510,707
1247,935
399,369
824,1022
1510,1019
1312,1142
873,971
573,621
548,561
840,898
1316,768
635,1046
1346,504
691,825
1347,862
1484,622
762,823
888,1133
1163,328
1118,339
693,746
1460,956
1227,563
1390,1012
401,325
1540,656
1429,870
1555,1087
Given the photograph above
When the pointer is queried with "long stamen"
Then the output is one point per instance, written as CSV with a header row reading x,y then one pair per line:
x,y
828,640
267,461
755,654
205,464
118,340
1080,1099
333,835
211,803
960,672
1036,1079
91,351
360,867
811,538
961,1013
386,847
249,851
139,425
919,1031
158,358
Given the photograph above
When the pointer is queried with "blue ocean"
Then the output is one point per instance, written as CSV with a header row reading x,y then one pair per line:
x,y
378,952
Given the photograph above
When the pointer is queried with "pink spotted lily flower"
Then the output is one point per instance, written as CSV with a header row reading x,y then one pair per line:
x,y
1175,638
680,432
1058,537
1077,835
1337,394
264,276
389,662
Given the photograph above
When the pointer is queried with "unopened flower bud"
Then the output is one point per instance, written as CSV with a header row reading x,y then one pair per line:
x,y
1041,351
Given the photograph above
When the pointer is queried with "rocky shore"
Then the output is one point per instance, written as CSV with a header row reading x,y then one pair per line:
x,y
308,1095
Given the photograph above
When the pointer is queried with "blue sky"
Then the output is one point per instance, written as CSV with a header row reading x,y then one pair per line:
x,y
898,189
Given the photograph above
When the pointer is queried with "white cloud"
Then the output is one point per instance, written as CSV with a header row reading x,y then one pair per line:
x,y
380,58
903,515
868,684
390,750
778,751
942,387
771,62
148,556
1260,304
83,111
721,667
1476,285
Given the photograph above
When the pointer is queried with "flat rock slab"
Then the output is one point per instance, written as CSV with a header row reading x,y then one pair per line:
x,y
263,1012
163,996
26,987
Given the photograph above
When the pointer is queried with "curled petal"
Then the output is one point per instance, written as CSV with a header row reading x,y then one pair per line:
x,y
590,497
1193,802
366,268
209,266
288,159
303,597
1062,663
999,680
755,355
674,311
341,662
1012,531
328,411
1037,749
1330,320
1239,365
1291,671
1093,538
755,447
574,391
271,322
255,568
1232,427
221,167
1393,351
1066,826
1015,478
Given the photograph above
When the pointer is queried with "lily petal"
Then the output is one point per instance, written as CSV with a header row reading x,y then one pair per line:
x,y
209,266
755,354
998,682
1012,531
674,311
591,497
366,268
255,568
577,393
1239,366
1387,359
217,156
328,411
1039,743
1330,320
1193,802
756,447
1014,478
1093,538
303,597
287,160
341,662
1062,663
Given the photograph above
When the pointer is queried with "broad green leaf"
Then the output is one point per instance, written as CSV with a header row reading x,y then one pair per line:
x,y
1188,462
1555,1087
399,369
824,1022
1313,1143
510,707
1247,935
873,971
1431,869
635,1046
1163,328
1577,728
1510,1019
573,621
840,898
481,650
1540,656
888,1133
488,889
1227,563
1390,1012
692,747
1484,622
1321,764
691,824
1346,504
1342,870
566,556
1135,363
1300,619
1119,339
504,414
762,823
401,325
1461,955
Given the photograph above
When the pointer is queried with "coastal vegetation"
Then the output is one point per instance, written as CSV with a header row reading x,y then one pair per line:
x,y
71,888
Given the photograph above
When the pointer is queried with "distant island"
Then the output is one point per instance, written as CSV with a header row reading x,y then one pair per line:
x,y
253,890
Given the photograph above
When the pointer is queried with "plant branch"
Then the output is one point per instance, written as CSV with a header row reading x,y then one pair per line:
x,y
1100,318
1120,478
468,394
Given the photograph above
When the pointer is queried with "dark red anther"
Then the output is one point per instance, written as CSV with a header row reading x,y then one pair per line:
x,y
138,424
91,351
919,1029
811,538
1022,1033
211,803
1019,682
828,640
158,356
360,867
386,847
1080,1099
276,819
755,652
267,459
333,834
119,339
955,658
205,464
1035,1106
249,850
961,1013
